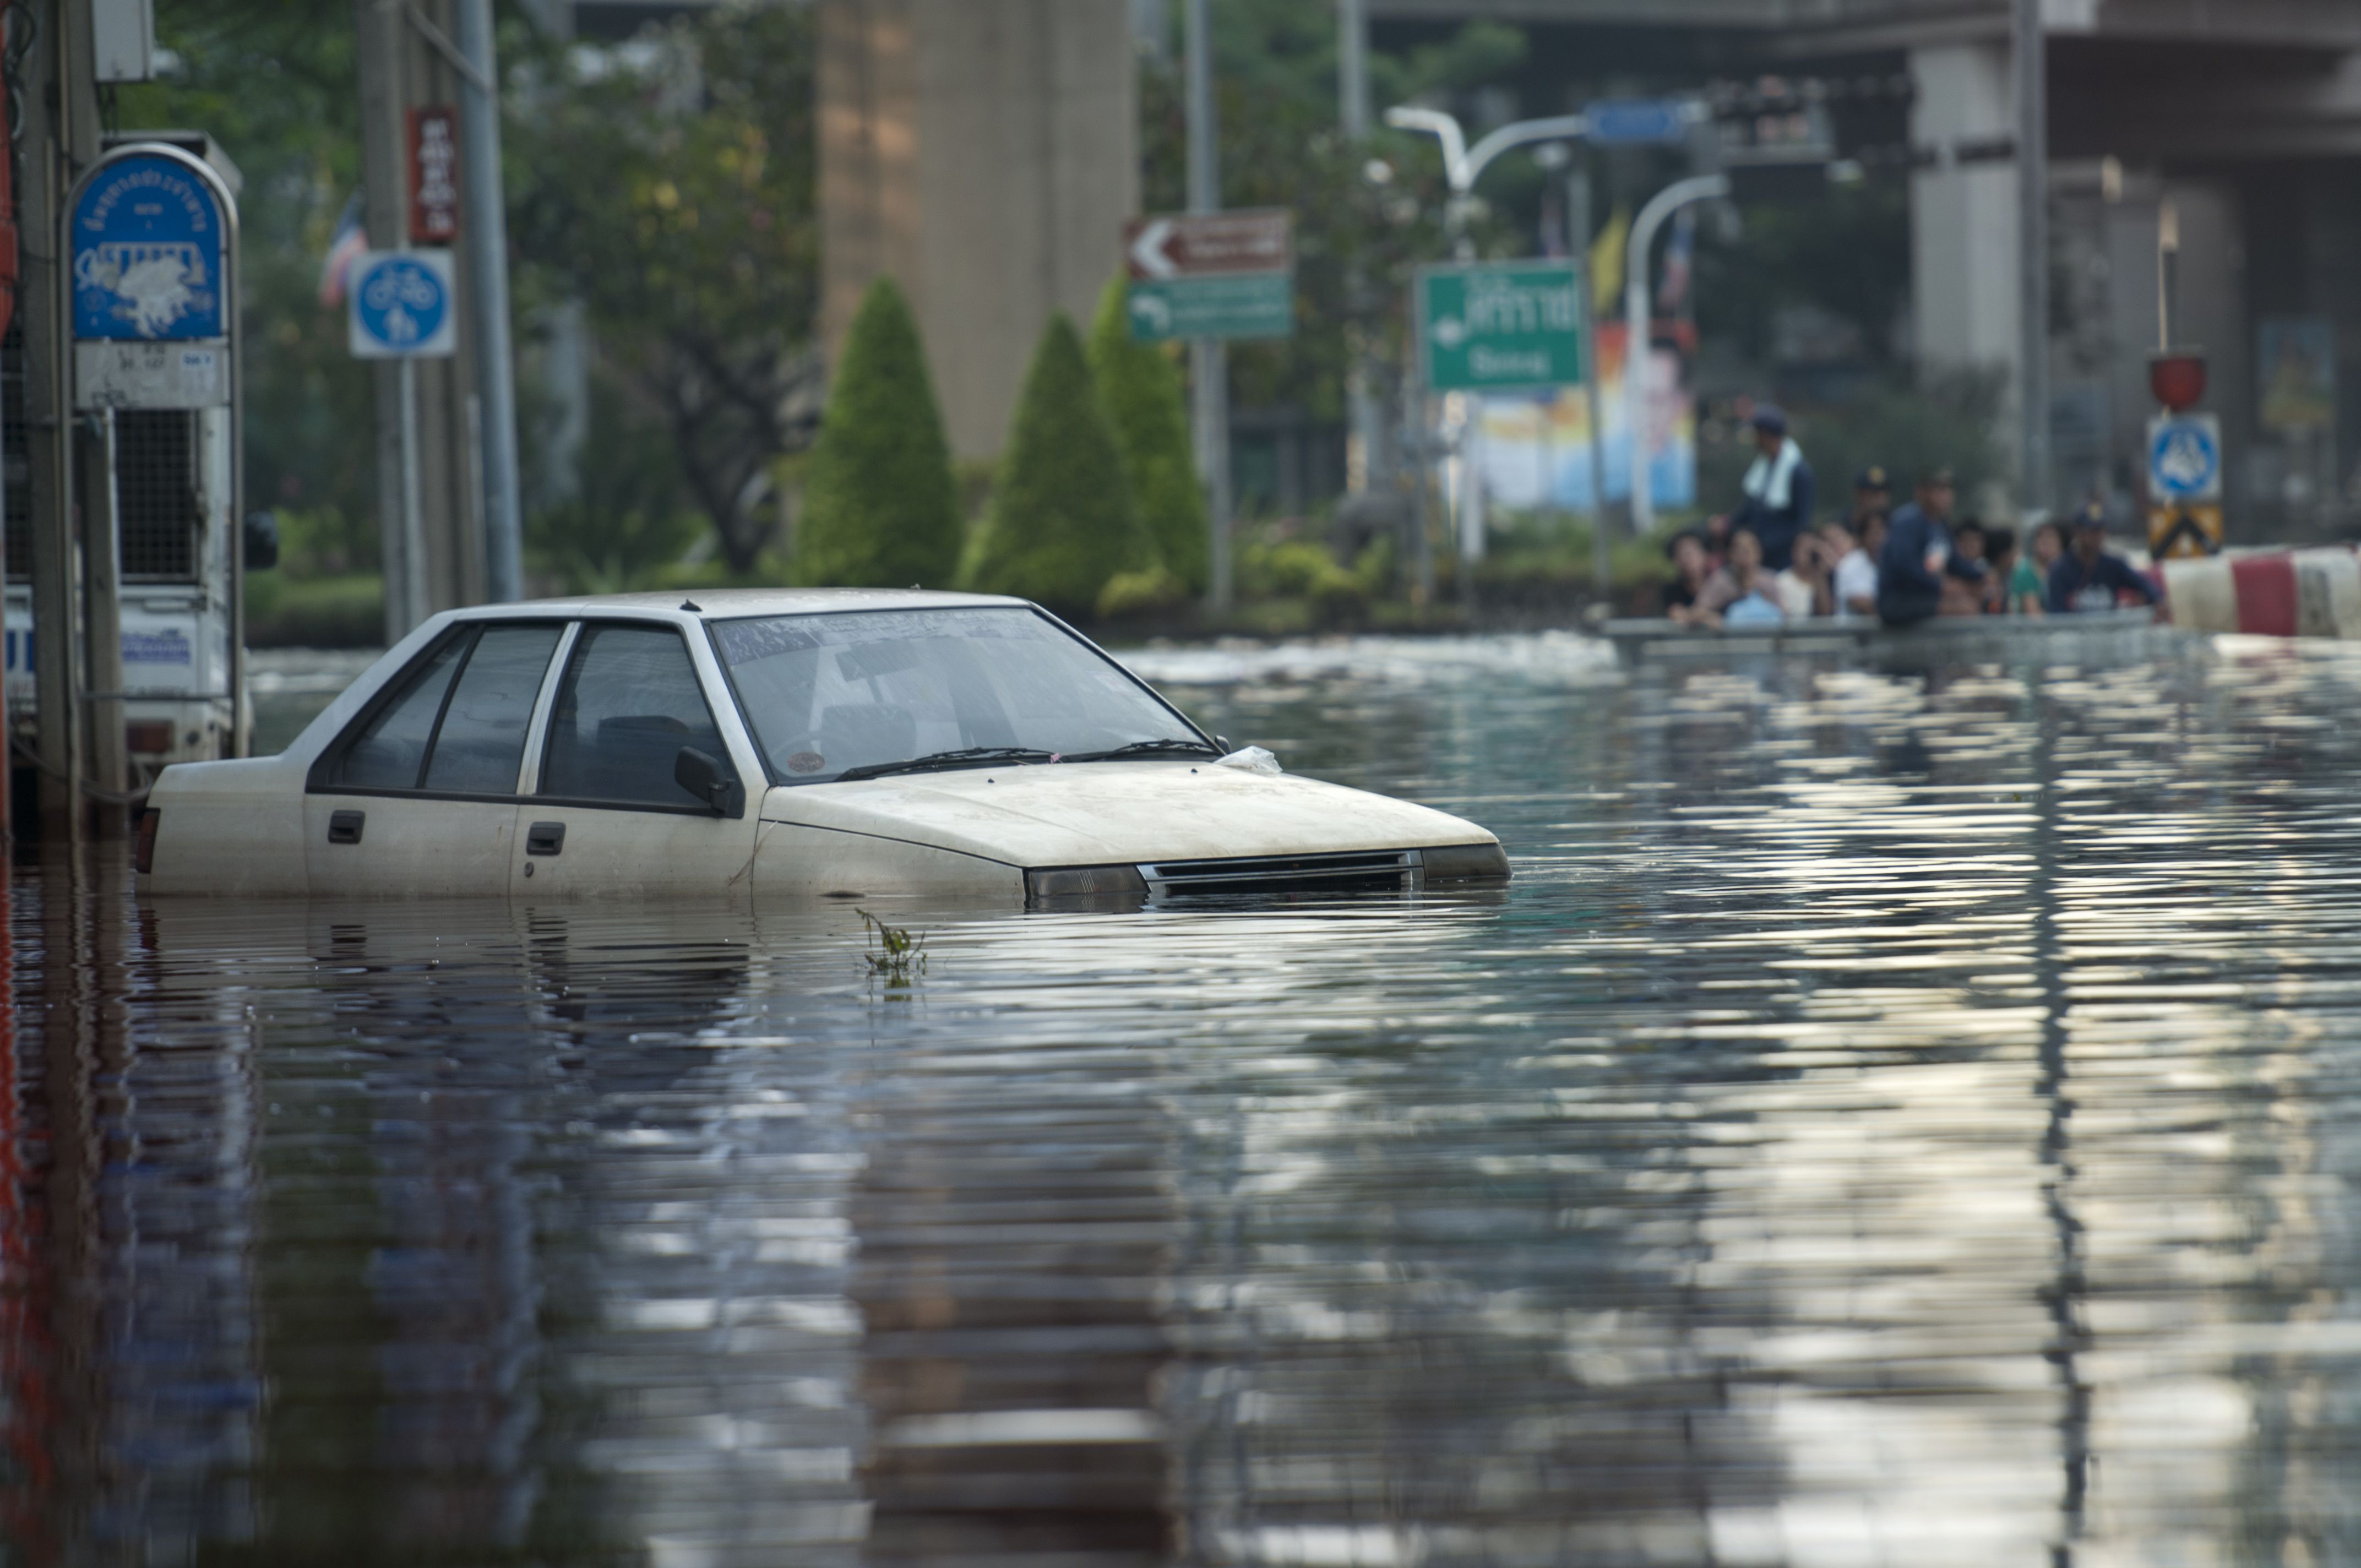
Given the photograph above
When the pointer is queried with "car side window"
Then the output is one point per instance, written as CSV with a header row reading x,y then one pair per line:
x,y
481,743
390,751
630,701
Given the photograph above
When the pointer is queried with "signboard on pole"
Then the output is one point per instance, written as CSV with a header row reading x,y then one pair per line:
x,y
434,173
1498,325
147,252
1211,275
1637,122
399,305
151,243
2184,484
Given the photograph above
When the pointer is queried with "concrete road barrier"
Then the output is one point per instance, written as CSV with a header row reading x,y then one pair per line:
x,y
2299,593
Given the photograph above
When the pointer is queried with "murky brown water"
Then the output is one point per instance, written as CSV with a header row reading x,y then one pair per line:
x,y
1893,1118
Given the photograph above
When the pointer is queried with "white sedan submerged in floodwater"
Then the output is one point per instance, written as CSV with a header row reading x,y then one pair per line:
x,y
822,743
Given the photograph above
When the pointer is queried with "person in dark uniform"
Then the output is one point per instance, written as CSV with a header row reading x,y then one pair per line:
x,y
2086,577
1778,504
1872,496
1918,554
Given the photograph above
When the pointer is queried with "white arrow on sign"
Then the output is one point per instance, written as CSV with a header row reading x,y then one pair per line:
x,y
1147,251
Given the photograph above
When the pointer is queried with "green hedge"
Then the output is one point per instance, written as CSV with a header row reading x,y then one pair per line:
x,y
1140,388
881,507
1062,520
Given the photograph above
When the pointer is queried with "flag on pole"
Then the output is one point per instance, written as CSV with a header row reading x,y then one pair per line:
x,y
350,240
1606,264
1680,260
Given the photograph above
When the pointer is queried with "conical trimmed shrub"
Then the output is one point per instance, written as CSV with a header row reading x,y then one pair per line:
x,y
1140,388
881,507
1062,520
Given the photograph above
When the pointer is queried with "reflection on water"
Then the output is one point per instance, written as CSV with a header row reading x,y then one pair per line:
x,y
1894,1117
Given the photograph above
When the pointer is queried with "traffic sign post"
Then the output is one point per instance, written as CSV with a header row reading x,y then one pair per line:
x,y
1501,326
399,307
1211,276
151,243
2184,485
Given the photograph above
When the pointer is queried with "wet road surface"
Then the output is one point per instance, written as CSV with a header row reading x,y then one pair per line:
x,y
1893,1117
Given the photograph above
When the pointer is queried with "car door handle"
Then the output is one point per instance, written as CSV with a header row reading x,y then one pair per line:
x,y
544,838
345,827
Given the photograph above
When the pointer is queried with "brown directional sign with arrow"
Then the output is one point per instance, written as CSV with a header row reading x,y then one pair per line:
x,y
1211,275
1199,245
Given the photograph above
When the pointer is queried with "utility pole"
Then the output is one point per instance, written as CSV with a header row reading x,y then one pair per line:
x,y
60,106
1363,459
1208,358
380,46
487,263
2032,62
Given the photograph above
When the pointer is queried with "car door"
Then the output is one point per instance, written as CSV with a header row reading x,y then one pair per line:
x,y
419,796
608,817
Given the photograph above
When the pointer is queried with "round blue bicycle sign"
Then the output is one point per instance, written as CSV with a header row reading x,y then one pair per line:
x,y
401,304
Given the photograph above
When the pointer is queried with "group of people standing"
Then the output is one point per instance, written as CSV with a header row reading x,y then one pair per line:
x,y
1767,563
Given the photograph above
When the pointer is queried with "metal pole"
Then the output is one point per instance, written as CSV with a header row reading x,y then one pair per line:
x,y
1353,68
103,618
1208,363
414,607
2033,254
1662,205
1577,242
487,271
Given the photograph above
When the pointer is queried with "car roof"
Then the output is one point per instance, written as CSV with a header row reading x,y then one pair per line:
x,y
725,603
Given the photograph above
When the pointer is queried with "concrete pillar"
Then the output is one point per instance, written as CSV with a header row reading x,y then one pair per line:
x,y
1963,219
986,154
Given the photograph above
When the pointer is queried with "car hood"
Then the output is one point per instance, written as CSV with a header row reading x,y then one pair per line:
x,y
1107,813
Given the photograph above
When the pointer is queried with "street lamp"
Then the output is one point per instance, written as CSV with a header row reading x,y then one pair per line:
x,y
1462,164
1662,206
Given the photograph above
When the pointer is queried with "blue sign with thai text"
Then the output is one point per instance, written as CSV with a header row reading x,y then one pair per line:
x,y
1637,122
147,252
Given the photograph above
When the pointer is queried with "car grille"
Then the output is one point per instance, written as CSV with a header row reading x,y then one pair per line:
x,y
1380,871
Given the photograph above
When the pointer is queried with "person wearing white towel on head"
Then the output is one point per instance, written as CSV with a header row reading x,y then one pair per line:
x,y
1778,504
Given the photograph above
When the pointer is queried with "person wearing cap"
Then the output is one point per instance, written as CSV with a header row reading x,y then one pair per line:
x,y
1778,487
1918,554
2087,578
1872,496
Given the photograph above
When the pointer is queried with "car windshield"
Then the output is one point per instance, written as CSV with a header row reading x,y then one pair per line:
x,y
864,690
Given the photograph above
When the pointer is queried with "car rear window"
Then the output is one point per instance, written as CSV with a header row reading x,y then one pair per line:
x,y
458,718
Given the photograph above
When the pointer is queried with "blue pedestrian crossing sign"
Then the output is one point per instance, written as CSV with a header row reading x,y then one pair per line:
x,y
2184,458
401,305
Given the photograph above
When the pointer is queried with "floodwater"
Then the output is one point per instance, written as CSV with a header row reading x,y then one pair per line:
x,y
1893,1117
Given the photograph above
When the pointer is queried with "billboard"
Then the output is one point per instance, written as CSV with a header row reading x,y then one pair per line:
x,y
1533,449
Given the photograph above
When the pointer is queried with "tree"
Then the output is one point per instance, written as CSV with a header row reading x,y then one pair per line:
x,y
881,506
1063,521
670,188
1140,388
628,519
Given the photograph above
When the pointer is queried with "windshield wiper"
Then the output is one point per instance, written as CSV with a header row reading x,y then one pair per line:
x,y
965,756
1146,749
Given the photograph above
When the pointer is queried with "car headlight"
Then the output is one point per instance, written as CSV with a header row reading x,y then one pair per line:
x,y
1085,881
1465,862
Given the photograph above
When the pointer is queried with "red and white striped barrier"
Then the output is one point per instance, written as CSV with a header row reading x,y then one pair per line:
x,y
2298,593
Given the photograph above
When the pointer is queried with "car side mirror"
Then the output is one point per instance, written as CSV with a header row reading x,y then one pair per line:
x,y
1224,743
701,775
261,541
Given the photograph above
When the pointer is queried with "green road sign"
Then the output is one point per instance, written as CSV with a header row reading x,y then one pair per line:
x,y
1500,325
1238,305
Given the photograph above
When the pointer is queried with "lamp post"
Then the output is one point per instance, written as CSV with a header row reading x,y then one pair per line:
x,y
1661,207
1463,165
